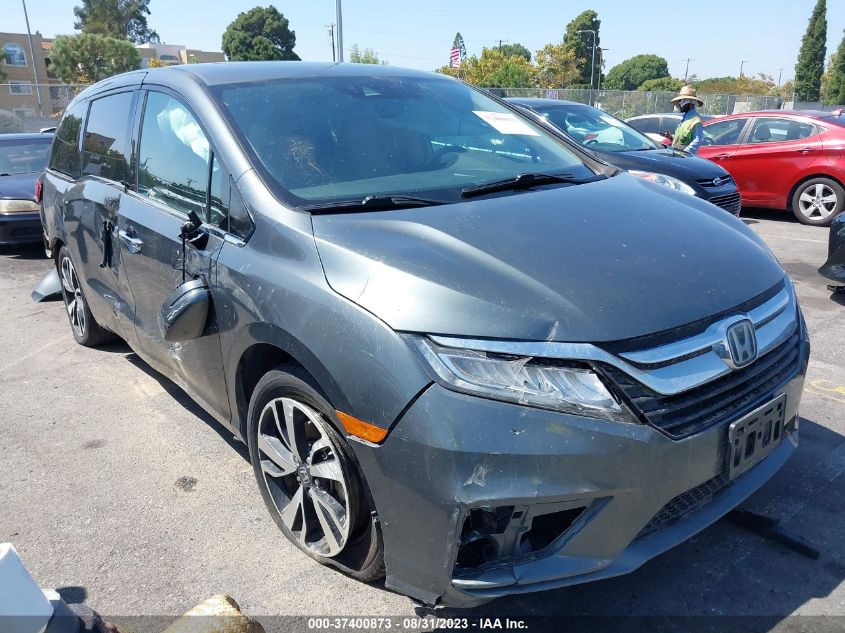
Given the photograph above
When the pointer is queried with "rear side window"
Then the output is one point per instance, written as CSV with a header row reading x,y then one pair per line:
x,y
780,130
105,145
64,157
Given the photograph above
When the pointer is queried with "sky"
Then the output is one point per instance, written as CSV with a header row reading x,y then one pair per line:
x,y
718,34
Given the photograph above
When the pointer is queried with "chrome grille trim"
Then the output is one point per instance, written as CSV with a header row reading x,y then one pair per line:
x,y
675,367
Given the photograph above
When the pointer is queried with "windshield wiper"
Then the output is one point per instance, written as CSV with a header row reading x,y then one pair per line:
x,y
525,181
372,203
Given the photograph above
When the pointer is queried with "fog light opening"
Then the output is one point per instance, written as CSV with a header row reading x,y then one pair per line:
x,y
547,528
476,550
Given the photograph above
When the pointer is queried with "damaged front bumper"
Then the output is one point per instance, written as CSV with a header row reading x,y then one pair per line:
x,y
478,499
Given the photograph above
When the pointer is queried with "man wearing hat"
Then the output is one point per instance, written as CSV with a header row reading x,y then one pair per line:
x,y
690,133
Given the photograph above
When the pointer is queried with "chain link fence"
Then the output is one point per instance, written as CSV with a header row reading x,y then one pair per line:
x,y
28,107
625,104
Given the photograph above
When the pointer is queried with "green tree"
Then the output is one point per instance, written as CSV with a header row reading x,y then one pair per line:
x,y
834,92
2,76
761,85
494,70
582,44
509,50
116,18
662,84
259,34
631,73
367,56
556,66
459,44
810,66
90,57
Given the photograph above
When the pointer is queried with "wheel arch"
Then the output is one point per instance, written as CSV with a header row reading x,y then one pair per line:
x,y
804,179
267,348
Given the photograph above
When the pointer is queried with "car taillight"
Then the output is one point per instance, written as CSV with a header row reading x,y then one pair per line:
x,y
39,190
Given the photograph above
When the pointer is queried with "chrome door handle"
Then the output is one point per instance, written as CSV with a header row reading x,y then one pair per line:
x,y
721,156
804,150
132,244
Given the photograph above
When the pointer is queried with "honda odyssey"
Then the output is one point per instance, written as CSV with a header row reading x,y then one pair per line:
x,y
463,352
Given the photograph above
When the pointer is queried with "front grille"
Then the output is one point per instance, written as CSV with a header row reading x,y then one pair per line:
x,y
726,398
708,182
684,504
730,202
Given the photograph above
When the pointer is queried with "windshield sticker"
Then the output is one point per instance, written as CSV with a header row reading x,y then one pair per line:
x,y
506,123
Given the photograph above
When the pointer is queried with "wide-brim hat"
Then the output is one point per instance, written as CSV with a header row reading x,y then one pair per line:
x,y
687,92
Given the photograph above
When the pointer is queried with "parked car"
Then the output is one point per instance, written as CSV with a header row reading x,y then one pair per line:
x,y
613,141
22,159
660,127
783,160
463,352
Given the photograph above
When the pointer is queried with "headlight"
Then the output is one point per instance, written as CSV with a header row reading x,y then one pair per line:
x,y
18,206
663,179
548,384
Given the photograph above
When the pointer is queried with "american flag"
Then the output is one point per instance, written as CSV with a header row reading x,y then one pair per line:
x,y
455,57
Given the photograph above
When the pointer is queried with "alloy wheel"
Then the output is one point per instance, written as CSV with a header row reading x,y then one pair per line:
x,y
817,202
74,301
305,475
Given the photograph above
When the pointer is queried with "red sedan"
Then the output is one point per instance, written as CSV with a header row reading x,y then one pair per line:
x,y
783,160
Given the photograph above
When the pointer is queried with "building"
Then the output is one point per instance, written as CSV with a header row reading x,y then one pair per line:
x,y
31,96
172,54
23,73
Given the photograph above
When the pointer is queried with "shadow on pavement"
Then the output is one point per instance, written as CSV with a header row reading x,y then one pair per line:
x,y
724,571
178,394
775,215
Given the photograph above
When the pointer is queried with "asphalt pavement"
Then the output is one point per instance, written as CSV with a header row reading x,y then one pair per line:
x,y
117,489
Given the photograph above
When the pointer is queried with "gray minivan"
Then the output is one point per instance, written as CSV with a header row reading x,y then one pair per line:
x,y
464,353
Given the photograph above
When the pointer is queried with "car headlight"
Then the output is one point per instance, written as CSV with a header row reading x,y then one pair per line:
x,y
545,383
663,179
18,206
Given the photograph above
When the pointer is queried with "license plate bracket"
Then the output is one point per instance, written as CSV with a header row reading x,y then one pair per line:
x,y
754,436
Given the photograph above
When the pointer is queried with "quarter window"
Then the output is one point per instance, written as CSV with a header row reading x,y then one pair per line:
x,y
14,55
174,159
724,132
780,130
64,156
105,147
646,125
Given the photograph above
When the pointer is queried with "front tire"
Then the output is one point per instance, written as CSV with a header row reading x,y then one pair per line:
x,y
83,325
817,201
310,483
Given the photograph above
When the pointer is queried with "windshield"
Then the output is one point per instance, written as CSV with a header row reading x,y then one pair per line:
x,y
595,129
24,156
323,139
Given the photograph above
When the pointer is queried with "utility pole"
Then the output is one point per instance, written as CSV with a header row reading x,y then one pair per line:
x,y
780,73
686,72
744,61
593,63
601,63
33,60
339,31
330,27
502,41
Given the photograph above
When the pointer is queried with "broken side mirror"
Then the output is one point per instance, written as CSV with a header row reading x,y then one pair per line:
x,y
185,311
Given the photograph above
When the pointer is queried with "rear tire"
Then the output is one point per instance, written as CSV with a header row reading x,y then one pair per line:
x,y
309,480
817,201
83,325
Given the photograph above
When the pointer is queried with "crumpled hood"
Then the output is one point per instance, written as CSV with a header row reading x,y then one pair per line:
x,y
669,162
18,187
604,261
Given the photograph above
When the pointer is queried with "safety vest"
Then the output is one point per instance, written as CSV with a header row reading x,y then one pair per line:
x,y
684,133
